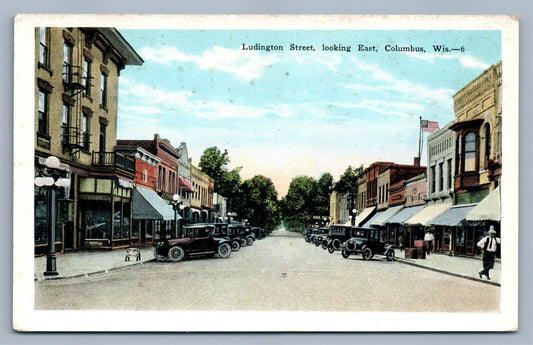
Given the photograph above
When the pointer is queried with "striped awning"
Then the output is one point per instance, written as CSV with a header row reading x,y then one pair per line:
x,y
147,204
377,215
185,185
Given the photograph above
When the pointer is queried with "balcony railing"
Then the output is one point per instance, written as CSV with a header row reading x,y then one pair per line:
x,y
74,139
113,159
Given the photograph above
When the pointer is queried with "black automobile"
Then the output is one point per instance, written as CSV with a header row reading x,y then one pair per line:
x,y
258,232
245,232
317,236
199,239
234,235
338,234
366,242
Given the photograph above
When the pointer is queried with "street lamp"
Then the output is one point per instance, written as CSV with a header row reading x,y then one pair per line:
x,y
176,202
354,214
53,180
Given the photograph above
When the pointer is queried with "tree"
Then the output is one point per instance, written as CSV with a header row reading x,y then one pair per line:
x,y
325,187
348,180
298,206
260,202
213,163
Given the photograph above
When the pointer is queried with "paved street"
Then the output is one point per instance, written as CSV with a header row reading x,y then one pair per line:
x,y
279,273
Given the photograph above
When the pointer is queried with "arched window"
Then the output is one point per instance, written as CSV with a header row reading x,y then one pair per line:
x,y
470,151
487,141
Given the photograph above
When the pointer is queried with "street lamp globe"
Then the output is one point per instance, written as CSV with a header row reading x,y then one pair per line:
x,y
52,162
176,198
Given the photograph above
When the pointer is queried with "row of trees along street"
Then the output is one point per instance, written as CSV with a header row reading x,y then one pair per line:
x,y
257,201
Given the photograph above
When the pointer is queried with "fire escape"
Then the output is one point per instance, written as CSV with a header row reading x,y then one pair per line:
x,y
74,132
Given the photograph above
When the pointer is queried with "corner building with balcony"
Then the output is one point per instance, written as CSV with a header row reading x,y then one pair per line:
x,y
76,82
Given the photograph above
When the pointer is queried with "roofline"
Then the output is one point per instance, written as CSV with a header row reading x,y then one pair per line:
x,y
119,42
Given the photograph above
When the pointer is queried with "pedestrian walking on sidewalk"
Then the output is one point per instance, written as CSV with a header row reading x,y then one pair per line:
x,y
428,240
489,244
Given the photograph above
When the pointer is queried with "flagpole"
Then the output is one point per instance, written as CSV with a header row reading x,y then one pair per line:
x,y
420,139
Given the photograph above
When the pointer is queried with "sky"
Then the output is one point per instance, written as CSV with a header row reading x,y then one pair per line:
x,y
287,113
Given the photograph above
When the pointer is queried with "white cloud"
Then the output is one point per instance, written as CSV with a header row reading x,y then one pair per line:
x,y
165,55
466,61
412,91
328,60
156,95
141,109
245,65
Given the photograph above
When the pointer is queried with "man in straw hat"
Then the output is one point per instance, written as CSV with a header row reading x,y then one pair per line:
x,y
489,244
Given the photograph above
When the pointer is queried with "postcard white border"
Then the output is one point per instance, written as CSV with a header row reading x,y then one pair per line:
x,y
25,318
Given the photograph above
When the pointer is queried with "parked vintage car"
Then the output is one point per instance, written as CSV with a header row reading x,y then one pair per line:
x,y
245,231
259,233
236,240
366,242
199,239
338,234
317,235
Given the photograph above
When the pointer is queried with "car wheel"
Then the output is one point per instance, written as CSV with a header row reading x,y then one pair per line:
x,y
249,241
331,250
158,256
336,243
176,253
391,255
367,253
324,245
345,254
243,242
224,250
317,243
235,246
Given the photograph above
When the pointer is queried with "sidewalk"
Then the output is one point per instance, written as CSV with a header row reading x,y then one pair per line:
x,y
80,263
464,267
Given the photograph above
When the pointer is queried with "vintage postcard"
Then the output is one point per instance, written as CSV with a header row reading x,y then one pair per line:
x,y
278,173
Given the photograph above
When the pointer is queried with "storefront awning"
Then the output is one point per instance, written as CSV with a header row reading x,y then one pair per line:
x,y
148,205
185,185
452,217
365,214
403,215
386,215
377,215
487,209
428,213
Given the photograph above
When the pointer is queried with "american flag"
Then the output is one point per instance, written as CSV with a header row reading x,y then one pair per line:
x,y
429,126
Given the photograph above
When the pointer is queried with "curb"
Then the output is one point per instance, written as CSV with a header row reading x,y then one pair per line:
x,y
403,261
107,270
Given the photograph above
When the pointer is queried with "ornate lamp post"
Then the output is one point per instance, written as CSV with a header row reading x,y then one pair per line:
x,y
176,202
53,180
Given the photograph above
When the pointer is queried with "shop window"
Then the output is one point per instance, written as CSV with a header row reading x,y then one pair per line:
x,y
41,217
126,220
470,152
97,220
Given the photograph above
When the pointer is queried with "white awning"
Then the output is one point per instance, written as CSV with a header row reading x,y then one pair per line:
x,y
361,218
487,209
428,213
